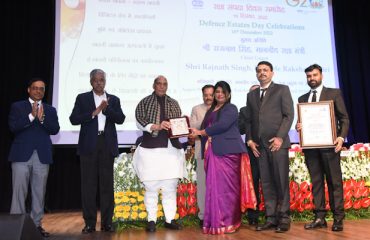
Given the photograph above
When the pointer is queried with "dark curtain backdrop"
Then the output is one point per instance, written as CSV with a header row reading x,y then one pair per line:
x,y
28,51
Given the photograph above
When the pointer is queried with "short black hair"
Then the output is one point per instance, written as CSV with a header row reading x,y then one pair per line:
x,y
35,79
207,86
265,63
312,67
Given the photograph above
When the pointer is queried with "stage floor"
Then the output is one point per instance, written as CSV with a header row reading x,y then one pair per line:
x,y
68,225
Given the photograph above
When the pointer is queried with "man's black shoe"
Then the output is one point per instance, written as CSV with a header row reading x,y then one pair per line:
x,y
173,225
107,228
317,223
43,232
282,227
266,226
150,227
337,226
88,229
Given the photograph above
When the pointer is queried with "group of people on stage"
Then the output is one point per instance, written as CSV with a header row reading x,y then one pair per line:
x,y
229,171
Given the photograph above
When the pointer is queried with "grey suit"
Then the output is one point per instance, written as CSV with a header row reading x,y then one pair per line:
x,y
272,118
197,115
326,162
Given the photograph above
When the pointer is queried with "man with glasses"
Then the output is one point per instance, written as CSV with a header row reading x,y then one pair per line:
x,y
32,123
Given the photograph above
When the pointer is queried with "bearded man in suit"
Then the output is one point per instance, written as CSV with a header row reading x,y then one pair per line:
x,y
324,163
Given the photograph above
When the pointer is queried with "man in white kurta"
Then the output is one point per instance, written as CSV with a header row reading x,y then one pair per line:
x,y
159,160
197,115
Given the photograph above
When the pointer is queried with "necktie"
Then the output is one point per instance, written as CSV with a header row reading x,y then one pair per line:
x,y
314,96
262,94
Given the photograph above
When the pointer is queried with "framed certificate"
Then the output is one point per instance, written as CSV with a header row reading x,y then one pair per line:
x,y
318,125
179,127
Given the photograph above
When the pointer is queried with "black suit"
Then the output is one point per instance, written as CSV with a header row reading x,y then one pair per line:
x,y
272,118
252,214
324,163
97,155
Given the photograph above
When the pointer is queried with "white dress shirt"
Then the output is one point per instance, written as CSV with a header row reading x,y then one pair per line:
x,y
101,117
318,93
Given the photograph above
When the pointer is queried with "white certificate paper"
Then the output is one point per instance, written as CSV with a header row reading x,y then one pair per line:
x,y
318,128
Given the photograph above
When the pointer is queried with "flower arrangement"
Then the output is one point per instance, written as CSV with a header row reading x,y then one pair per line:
x,y
187,189
129,193
355,164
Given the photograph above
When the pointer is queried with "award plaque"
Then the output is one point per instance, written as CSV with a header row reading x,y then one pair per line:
x,y
318,126
179,127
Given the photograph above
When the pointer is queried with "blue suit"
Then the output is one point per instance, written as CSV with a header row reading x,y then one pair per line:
x,y
225,133
97,152
31,155
82,113
30,136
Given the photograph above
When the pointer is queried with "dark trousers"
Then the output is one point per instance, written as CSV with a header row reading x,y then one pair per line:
x,y
274,171
97,170
324,164
254,214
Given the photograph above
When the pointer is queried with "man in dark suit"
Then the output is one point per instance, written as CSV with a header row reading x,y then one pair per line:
x,y
270,115
32,122
97,112
252,214
326,161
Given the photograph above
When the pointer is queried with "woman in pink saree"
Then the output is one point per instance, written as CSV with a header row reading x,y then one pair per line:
x,y
229,186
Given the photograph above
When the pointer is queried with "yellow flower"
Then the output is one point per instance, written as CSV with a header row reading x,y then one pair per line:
x,y
119,194
177,216
126,208
159,214
142,206
142,215
118,208
134,215
135,208
117,200
134,194
160,207
125,215
125,199
128,193
140,198
132,200
119,215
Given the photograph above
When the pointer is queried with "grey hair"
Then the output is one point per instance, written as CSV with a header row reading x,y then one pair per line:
x,y
95,72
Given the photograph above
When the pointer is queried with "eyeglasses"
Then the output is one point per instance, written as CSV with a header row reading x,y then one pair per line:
x,y
34,88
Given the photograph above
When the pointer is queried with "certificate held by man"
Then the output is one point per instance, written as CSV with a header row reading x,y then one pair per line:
x,y
318,127
179,127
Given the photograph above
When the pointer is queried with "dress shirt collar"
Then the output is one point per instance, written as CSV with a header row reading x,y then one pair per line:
x,y
267,86
32,101
318,89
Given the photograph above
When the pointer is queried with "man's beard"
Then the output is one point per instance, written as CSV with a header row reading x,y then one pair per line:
x,y
314,83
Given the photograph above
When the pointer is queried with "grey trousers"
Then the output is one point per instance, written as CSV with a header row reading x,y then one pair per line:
x,y
35,173
201,179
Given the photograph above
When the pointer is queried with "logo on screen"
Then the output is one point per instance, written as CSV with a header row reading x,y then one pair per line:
x,y
316,3
197,3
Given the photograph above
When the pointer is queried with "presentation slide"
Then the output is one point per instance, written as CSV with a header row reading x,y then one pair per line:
x,y
191,43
